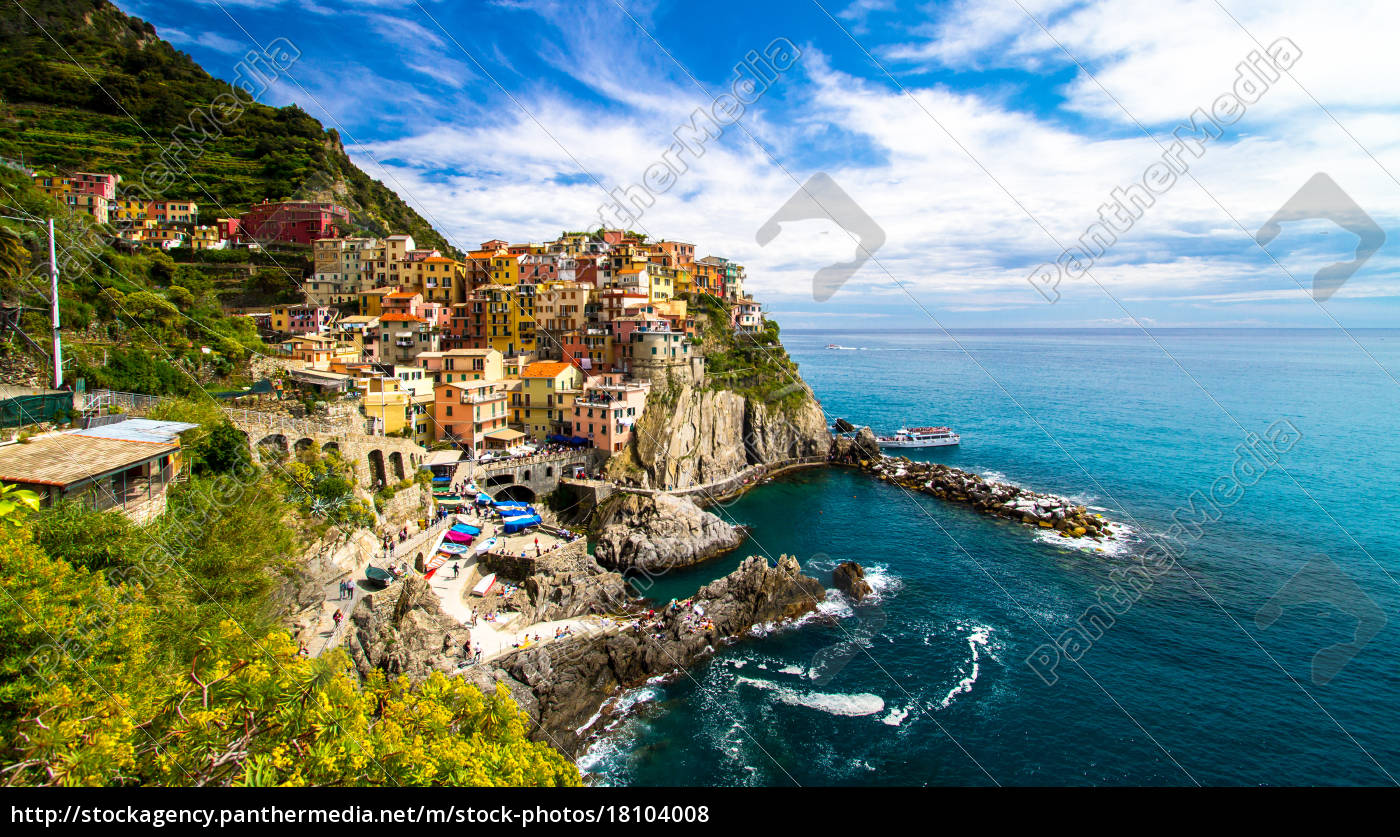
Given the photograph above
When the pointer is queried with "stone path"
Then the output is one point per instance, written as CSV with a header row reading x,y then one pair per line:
x,y
501,638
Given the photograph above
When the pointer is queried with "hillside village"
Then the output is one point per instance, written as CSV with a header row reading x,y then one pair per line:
x,y
272,433
503,352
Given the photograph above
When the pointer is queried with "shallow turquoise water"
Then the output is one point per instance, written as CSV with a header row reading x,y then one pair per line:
x,y
1188,685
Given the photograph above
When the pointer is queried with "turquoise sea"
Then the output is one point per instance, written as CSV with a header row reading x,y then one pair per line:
x,y
1197,681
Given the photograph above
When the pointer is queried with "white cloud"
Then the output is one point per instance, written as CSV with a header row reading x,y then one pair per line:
x,y
211,40
956,240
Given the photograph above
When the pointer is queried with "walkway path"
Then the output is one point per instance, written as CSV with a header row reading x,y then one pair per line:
x,y
748,476
499,638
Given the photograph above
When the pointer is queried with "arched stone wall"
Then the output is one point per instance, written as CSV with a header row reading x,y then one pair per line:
x,y
516,492
377,474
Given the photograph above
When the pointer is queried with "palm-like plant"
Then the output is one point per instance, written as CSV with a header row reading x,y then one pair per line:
x,y
14,253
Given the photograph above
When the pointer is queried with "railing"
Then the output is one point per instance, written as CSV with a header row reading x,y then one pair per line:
x,y
418,539
512,462
127,401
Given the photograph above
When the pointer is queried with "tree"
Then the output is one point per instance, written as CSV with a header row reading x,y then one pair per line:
x,y
13,501
224,450
14,253
89,696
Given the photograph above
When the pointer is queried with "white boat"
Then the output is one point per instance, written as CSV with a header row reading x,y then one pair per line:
x,y
920,437
484,585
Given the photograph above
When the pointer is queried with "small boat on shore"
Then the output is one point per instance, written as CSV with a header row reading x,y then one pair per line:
x,y
920,437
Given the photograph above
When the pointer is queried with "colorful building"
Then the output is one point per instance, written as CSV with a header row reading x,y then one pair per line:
x,y
302,319
293,222
465,412
544,404
607,409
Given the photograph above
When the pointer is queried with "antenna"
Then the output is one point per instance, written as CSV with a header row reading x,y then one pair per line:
x,y
53,289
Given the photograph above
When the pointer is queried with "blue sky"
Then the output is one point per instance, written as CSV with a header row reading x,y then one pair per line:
x,y
981,137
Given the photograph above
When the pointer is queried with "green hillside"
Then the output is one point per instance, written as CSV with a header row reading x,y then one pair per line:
x,y
85,86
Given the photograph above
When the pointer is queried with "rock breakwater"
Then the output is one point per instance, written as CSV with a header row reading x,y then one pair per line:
x,y
998,499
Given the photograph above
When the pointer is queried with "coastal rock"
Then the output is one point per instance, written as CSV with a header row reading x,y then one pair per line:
x,y
403,630
656,533
864,448
1012,502
572,678
849,578
690,436
566,592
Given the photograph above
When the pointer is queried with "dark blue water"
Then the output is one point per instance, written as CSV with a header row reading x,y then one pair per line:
x,y
1195,682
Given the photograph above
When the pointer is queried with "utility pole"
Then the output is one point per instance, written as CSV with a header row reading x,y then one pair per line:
x,y
53,290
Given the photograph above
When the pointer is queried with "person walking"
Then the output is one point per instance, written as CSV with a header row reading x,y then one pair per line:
x,y
337,619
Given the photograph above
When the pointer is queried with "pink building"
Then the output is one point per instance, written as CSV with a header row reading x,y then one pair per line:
x,y
607,409
402,302
100,185
623,327
297,222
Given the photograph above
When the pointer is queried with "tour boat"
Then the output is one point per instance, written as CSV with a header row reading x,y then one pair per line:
x,y
920,437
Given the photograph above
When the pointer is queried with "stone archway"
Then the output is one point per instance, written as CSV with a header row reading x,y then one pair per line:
x,y
376,467
305,448
500,479
396,465
522,493
330,447
272,446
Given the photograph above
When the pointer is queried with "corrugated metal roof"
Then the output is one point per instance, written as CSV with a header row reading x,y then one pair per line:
x,y
137,430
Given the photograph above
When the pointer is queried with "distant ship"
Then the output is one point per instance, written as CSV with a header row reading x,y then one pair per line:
x,y
840,347
920,437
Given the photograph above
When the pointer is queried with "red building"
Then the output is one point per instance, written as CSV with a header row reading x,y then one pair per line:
x,y
296,222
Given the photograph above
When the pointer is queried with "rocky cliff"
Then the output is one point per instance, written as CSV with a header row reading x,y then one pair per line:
x,y
571,679
690,436
576,586
403,630
655,533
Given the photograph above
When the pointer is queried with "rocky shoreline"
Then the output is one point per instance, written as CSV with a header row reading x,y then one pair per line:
x,y
997,499
569,681
565,684
653,533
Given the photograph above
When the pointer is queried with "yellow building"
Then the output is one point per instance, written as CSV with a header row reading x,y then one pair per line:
x,y
372,301
544,403
389,404
438,279
510,317
505,269
560,306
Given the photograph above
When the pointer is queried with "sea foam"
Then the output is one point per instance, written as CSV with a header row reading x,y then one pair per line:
x,y
852,706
